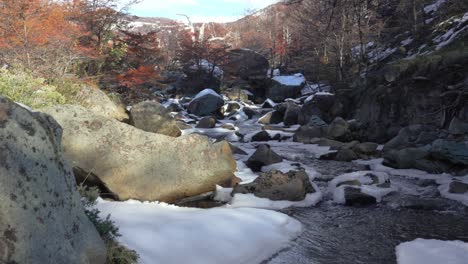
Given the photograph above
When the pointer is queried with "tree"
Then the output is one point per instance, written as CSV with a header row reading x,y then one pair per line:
x,y
195,50
37,34
100,18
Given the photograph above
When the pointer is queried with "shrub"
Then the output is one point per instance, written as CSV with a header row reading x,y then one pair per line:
x,y
116,253
24,88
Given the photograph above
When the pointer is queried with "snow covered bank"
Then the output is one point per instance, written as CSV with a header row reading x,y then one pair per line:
x,y
432,252
163,233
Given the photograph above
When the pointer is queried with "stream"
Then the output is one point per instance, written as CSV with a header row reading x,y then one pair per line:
x,y
346,235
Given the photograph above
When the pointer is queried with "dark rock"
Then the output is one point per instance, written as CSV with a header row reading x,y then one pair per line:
x,y
261,136
263,156
346,155
276,186
237,150
274,117
279,92
426,182
207,104
413,136
246,64
354,196
409,158
320,106
458,127
451,151
306,134
458,187
367,148
317,122
249,112
291,114
207,122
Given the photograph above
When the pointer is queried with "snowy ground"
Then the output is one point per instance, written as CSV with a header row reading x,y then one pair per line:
x,y
432,252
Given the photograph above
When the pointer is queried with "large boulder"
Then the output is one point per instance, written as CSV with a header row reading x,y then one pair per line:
x,y
307,134
291,114
413,136
153,117
458,127
246,64
338,128
284,87
317,105
134,164
100,103
41,216
276,186
238,94
263,156
273,117
450,151
413,158
197,78
205,103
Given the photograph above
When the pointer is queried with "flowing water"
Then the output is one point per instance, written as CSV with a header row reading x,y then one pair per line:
x,y
345,235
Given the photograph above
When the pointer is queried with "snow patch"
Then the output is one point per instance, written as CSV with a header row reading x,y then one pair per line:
x,y
207,92
291,80
431,251
163,233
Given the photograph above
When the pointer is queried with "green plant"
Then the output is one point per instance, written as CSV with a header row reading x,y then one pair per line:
x,y
116,253
24,88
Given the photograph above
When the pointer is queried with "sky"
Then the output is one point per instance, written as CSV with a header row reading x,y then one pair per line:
x,y
199,10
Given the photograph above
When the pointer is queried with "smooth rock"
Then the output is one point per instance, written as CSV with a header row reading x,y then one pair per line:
x,y
153,117
134,164
100,103
207,122
41,215
276,186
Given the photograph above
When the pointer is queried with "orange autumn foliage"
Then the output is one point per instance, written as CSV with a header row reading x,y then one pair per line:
x,y
38,35
137,77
